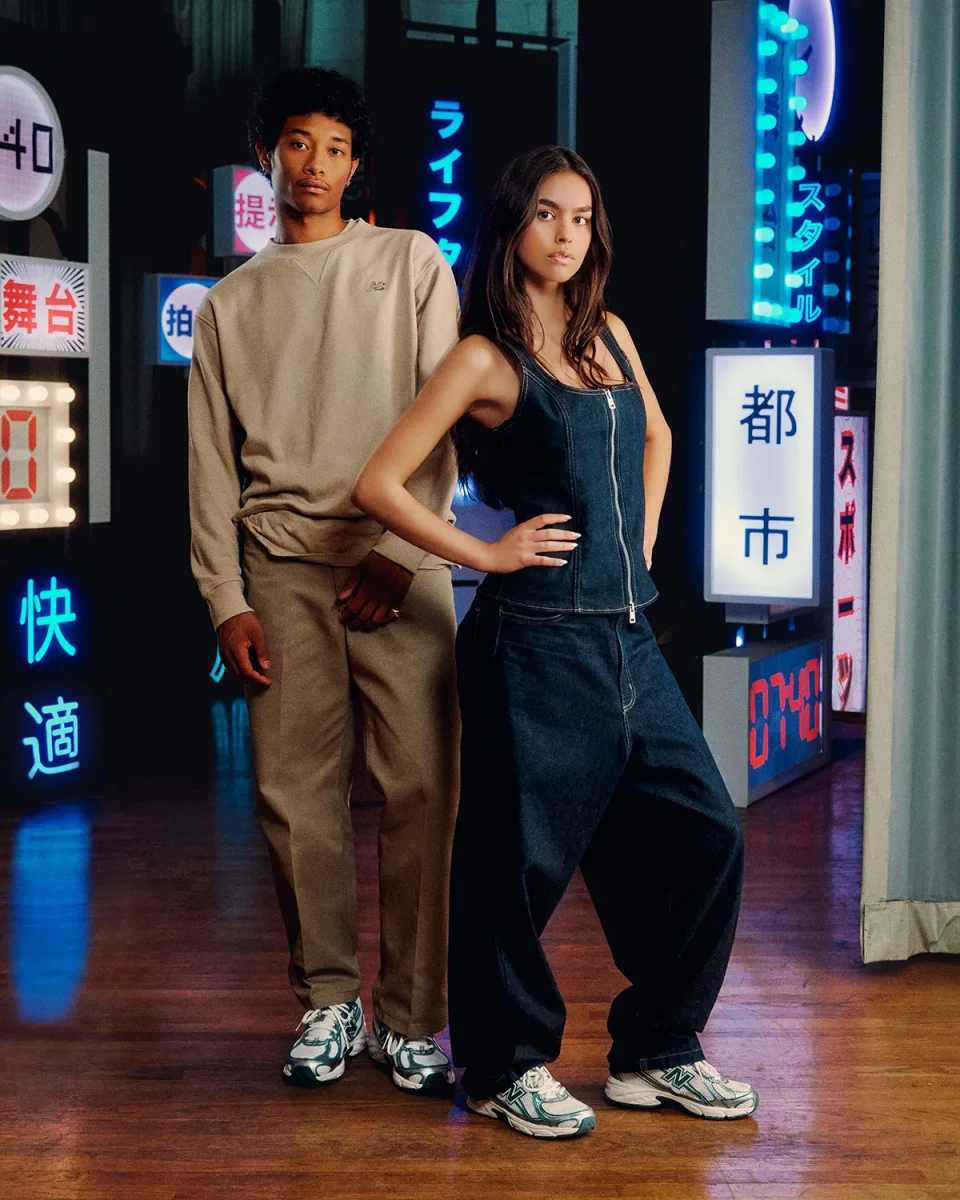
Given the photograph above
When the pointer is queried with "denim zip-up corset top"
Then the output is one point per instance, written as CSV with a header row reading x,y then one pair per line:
x,y
577,451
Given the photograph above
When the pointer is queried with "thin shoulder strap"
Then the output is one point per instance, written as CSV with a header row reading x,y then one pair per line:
x,y
611,343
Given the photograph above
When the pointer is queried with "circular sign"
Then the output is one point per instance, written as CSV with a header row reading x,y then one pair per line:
x,y
176,320
819,50
31,146
254,213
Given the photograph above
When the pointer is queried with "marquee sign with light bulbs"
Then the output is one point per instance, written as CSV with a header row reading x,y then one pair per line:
x,y
35,470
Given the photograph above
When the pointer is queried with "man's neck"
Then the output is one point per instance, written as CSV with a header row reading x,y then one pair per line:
x,y
296,228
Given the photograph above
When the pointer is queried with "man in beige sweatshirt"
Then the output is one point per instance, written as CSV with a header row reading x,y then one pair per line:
x,y
304,357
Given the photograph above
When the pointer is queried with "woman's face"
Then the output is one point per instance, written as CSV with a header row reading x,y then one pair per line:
x,y
553,246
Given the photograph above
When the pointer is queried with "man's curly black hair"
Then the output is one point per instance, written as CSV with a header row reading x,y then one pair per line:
x,y
309,90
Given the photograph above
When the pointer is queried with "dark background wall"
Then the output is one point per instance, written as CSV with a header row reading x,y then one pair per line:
x,y
644,88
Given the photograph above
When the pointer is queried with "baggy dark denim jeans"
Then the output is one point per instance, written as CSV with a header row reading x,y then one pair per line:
x,y
579,750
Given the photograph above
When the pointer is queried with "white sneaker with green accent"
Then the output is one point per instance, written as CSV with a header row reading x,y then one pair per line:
x,y
416,1064
697,1087
329,1037
538,1105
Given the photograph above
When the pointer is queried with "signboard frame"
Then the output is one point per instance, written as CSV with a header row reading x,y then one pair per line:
x,y
823,410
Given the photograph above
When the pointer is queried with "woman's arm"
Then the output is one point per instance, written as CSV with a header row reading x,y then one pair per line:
x,y
656,459
474,378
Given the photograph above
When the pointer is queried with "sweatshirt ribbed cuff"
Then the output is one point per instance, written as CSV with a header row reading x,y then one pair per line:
x,y
401,552
225,601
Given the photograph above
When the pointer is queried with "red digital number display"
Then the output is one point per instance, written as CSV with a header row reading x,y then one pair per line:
x,y
785,712
18,437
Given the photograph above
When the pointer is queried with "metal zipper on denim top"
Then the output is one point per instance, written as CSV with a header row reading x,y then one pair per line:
x,y
612,404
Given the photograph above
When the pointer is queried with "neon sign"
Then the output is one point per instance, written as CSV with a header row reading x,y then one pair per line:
x,y
446,205
47,609
802,225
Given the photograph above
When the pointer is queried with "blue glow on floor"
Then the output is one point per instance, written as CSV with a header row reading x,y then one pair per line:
x,y
49,911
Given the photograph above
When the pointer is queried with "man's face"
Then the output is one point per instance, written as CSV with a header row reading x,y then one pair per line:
x,y
311,165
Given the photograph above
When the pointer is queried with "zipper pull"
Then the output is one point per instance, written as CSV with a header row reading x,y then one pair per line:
x,y
611,403
633,614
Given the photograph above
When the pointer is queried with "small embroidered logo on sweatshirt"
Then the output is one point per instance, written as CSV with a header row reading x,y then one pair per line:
x,y
378,285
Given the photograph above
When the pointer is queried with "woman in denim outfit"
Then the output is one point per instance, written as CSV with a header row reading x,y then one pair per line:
x,y
578,748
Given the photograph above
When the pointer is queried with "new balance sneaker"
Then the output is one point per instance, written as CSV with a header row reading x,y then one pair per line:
x,y
416,1064
329,1037
538,1105
697,1087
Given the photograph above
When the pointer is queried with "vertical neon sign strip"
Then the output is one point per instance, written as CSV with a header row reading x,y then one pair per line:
x,y
777,170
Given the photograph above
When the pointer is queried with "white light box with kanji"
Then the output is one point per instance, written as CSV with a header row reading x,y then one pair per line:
x,y
764,519
244,211
43,307
35,471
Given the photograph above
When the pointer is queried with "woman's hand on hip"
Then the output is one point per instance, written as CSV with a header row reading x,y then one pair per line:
x,y
529,544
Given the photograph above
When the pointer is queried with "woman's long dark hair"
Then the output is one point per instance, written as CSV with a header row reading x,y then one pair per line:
x,y
495,302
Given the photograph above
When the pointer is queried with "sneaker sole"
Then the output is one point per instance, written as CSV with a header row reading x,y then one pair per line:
x,y
303,1075
437,1083
650,1098
491,1108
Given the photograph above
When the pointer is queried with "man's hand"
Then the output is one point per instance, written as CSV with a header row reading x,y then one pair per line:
x,y
243,648
374,593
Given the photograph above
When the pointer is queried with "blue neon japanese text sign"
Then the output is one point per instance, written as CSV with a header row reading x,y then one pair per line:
x,y
445,196
803,233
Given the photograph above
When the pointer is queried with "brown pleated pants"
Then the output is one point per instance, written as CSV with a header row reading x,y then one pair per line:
x,y
302,733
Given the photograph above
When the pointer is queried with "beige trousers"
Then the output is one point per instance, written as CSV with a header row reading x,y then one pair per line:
x,y
302,733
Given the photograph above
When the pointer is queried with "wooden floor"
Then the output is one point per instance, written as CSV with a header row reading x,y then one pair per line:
x,y
144,1018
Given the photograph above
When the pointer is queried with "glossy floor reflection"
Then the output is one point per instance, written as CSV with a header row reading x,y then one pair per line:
x,y
145,1018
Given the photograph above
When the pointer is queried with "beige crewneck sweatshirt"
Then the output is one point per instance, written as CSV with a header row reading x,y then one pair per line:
x,y
304,357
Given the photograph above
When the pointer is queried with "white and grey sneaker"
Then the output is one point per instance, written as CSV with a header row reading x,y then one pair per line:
x,y
416,1064
328,1037
697,1087
538,1105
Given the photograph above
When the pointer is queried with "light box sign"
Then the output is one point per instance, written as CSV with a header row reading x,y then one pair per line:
x,y
43,307
850,568
244,211
170,308
35,438
31,146
763,518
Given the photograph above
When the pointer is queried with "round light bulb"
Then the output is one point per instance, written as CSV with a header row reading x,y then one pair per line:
x,y
767,121
763,271
9,516
66,514
767,86
766,196
764,233
794,281
9,393
66,474
799,67
39,516
38,393
768,47
66,434
796,173
66,394
766,161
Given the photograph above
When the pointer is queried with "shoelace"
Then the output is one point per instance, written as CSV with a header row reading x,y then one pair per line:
x,y
704,1069
325,1020
539,1079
